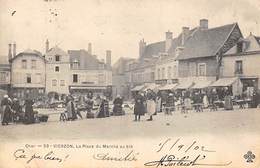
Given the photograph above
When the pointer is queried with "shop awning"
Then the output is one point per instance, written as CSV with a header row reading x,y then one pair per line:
x,y
201,84
185,85
151,86
88,87
168,86
224,82
138,88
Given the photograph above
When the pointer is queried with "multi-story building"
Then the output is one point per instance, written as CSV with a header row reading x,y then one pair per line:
x,y
242,61
121,77
28,74
88,74
5,74
199,60
57,70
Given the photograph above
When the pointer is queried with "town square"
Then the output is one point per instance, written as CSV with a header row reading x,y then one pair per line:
x,y
133,72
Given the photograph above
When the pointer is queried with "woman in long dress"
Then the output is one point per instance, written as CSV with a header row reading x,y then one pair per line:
x,y
139,108
6,110
150,104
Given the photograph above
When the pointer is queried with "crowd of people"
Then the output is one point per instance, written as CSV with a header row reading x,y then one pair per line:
x,y
151,102
146,102
12,111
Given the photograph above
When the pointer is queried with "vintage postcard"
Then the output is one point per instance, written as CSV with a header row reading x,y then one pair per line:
x,y
129,83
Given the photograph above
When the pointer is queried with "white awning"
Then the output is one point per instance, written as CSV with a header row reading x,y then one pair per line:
x,y
168,86
151,86
88,87
201,84
224,82
185,85
138,88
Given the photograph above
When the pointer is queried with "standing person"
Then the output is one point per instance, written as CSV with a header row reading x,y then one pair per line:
x,y
29,115
117,109
6,110
89,106
17,109
205,101
150,96
139,108
170,104
255,99
71,109
158,103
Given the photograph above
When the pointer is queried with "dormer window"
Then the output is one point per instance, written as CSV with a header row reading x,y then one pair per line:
x,y
239,47
75,64
57,58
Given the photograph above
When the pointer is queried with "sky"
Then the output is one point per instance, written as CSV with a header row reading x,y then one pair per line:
x,y
116,25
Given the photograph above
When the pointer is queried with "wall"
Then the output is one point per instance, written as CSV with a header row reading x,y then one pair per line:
x,y
184,66
250,65
166,64
62,75
19,74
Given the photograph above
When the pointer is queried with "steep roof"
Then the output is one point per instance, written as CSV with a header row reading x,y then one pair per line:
x,y
56,50
29,52
86,60
153,49
205,42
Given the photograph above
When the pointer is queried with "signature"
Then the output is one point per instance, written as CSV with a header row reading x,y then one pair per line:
x,y
130,156
171,160
49,156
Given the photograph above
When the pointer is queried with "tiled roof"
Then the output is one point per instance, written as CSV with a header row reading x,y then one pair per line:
x,y
154,49
56,50
86,60
205,43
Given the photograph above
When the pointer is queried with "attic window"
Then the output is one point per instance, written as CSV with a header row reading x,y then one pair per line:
x,y
57,58
239,47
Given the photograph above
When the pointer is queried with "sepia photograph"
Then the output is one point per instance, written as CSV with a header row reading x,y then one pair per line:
x,y
129,83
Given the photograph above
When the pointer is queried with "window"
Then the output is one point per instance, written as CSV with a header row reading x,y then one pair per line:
x,y
192,69
159,74
3,76
28,78
57,68
175,71
62,82
38,78
239,67
75,78
163,73
54,82
24,64
239,47
169,73
33,64
75,64
202,69
57,58
101,78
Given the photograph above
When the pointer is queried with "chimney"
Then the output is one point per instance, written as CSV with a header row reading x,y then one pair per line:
x,y
90,48
185,33
9,52
168,40
142,45
108,57
47,46
204,24
14,49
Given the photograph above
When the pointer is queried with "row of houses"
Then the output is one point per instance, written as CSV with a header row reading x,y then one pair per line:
x,y
196,57
76,71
